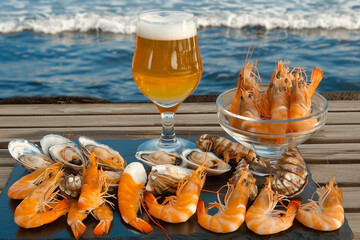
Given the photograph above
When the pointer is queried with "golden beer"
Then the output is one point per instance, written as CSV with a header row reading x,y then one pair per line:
x,y
166,68
167,71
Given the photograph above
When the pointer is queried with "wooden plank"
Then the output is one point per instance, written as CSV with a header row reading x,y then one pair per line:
x,y
209,119
345,174
133,108
4,176
339,153
354,223
328,134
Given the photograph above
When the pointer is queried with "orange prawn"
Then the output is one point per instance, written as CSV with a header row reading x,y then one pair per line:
x,y
91,196
75,218
25,185
130,190
229,216
105,215
327,214
300,103
263,219
41,206
178,208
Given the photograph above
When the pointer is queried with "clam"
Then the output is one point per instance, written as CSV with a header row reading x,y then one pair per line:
x,y
153,158
28,154
70,155
213,165
109,159
53,139
165,178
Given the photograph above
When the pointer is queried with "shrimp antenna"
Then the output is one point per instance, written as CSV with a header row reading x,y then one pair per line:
x,y
155,221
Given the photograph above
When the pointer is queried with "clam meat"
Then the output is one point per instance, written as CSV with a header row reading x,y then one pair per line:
x,y
28,154
53,139
165,178
212,164
153,158
70,155
109,158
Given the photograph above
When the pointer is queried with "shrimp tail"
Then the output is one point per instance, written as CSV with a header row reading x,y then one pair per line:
x,y
293,207
78,229
141,225
102,227
316,77
201,207
149,199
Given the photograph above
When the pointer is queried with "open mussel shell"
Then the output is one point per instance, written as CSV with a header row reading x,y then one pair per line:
x,y
152,158
70,155
52,140
165,178
213,165
28,154
109,159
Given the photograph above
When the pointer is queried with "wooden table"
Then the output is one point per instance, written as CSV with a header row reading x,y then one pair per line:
x,y
337,143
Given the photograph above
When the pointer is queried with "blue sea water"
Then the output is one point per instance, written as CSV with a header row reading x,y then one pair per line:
x,y
85,48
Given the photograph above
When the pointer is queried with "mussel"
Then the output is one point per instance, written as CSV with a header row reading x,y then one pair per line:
x,y
28,154
212,164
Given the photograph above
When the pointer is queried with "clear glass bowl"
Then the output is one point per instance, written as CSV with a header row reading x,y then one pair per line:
x,y
269,145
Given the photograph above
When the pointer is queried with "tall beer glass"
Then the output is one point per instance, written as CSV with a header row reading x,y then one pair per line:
x,y
167,68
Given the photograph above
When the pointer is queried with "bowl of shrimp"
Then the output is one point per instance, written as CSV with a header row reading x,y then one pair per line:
x,y
273,119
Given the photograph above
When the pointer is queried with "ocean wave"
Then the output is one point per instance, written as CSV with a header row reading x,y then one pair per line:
x,y
126,24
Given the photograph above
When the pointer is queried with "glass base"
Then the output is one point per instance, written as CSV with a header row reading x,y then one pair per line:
x,y
176,147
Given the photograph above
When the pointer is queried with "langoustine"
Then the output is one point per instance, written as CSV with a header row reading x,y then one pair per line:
x,y
263,219
231,214
326,214
180,207
41,206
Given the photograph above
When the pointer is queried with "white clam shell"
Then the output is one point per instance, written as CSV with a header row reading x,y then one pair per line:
x,y
18,148
211,171
53,139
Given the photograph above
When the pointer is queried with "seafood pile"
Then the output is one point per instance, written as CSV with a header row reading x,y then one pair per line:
x,y
65,178
288,96
77,181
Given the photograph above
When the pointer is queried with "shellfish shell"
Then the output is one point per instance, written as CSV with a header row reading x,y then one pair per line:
x,y
53,139
165,178
109,159
70,155
152,158
213,165
28,154
71,184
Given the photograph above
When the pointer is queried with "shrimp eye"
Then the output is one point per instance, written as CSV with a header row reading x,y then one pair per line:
x,y
271,85
241,97
286,80
278,75
249,95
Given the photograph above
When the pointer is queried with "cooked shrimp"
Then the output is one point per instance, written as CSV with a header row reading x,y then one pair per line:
x,y
263,219
246,82
178,208
316,77
327,214
41,206
25,185
92,190
105,215
229,216
129,196
75,218
300,103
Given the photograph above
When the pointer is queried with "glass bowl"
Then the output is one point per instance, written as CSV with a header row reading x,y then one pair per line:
x,y
265,144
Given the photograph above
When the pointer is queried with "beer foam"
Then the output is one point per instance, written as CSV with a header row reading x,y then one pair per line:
x,y
163,25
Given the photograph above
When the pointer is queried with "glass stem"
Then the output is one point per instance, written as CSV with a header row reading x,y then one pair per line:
x,y
167,137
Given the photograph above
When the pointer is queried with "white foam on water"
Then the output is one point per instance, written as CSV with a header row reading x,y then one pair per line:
x,y
121,17
162,25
